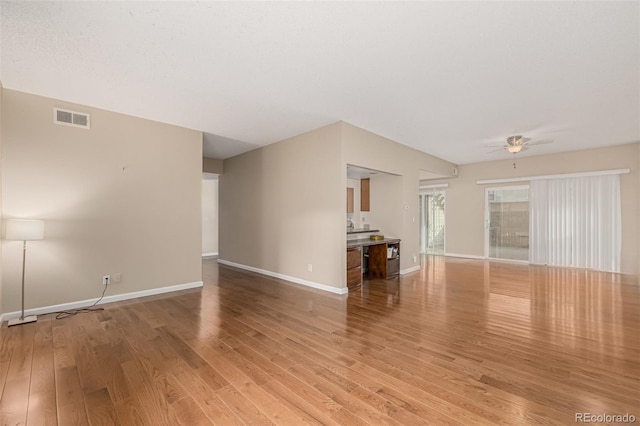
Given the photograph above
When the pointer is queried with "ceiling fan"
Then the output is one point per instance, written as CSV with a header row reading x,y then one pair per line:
x,y
519,143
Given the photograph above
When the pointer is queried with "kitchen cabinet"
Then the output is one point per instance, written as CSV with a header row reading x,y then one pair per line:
x,y
383,257
365,199
384,260
354,266
349,200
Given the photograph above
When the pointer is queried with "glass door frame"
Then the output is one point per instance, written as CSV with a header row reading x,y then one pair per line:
x,y
487,222
434,190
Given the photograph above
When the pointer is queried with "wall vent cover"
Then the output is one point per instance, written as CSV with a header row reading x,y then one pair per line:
x,y
71,118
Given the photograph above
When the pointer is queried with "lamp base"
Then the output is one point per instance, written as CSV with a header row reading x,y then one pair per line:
x,y
18,321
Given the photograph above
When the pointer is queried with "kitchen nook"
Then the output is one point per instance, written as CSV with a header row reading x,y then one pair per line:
x,y
370,254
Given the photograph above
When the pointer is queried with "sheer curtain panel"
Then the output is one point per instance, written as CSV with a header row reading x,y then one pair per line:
x,y
576,222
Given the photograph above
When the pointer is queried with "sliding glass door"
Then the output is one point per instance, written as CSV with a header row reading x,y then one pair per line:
x,y
507,223
432,215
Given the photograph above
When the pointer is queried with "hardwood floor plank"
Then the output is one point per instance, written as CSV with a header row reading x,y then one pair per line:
x,y
7,345
100,409
70,397
458,342
132,412
277,411
298,402
151,400
42,389
341,398
182,349
15,397
112,372
188,413
89,371
22,356
205,397
63,354
242,407
13,406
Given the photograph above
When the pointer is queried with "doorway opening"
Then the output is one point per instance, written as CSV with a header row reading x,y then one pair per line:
x,y
432,221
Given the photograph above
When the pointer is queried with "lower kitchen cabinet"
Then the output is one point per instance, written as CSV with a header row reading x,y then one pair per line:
x,y
384,260
354,266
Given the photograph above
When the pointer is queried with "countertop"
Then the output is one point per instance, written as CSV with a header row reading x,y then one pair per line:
x,y
360,230
369,242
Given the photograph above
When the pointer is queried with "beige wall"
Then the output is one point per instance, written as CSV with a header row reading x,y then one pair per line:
x,y
123,197
283,207
1,91
365,149
209,214
465,199
386,205
212,165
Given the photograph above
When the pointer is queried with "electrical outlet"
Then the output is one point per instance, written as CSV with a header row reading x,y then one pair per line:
x,y
415,258
106,279
116,278
310,267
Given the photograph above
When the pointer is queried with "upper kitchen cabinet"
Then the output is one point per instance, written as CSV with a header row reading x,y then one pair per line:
x,y
365,199
349,200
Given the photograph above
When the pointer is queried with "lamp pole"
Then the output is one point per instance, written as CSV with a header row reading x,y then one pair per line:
x,y
24,257
24,230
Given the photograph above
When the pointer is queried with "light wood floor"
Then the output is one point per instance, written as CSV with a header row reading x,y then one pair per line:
x,y
460,342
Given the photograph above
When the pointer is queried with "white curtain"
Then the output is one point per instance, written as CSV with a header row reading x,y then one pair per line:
x,y
576,222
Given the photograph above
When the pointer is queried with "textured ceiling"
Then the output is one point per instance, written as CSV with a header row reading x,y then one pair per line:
x,y
447,78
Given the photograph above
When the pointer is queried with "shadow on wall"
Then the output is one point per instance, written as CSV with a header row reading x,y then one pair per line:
x,y
216,146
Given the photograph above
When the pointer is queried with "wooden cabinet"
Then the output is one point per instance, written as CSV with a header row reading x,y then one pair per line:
x,y
365,199
381,260
354,266
349,200
384,260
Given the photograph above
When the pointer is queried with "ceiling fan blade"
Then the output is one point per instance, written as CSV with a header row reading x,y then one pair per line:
x,y
493,145
540,142
548,129
524,148
495,150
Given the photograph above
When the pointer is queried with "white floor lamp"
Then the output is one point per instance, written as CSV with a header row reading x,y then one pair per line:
x,y
24,230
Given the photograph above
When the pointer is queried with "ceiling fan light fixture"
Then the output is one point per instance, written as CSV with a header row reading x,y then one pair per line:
x,y
514,149
515,140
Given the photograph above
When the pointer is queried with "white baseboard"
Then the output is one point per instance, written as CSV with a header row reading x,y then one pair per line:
x,y
286,277
409,270
471,256
519,262
465,256
107,299
209,254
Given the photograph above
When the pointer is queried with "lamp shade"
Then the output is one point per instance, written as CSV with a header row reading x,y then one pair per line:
x,y
24,230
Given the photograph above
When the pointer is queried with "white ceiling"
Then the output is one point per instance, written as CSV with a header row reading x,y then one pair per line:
x,y
447,78
357,172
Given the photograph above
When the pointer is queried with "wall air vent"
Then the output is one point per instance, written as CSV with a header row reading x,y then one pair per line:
x,y
71,118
